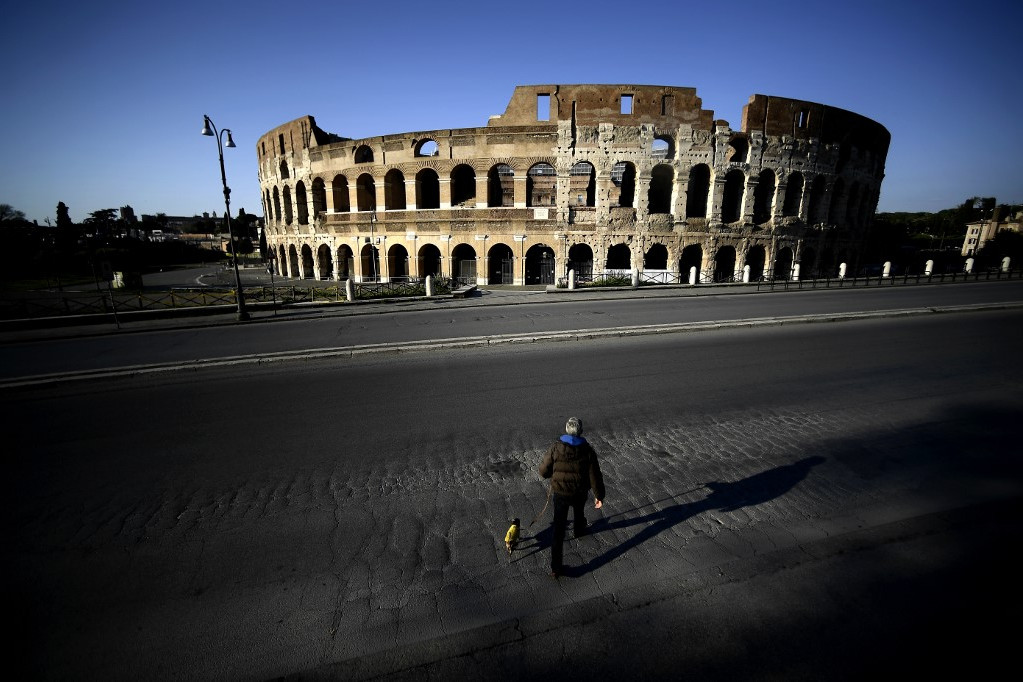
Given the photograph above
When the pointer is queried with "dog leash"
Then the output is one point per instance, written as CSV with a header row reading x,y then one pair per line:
x,y
535,518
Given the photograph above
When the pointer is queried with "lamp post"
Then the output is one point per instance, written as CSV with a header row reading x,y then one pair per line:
x,y
373,242
210,130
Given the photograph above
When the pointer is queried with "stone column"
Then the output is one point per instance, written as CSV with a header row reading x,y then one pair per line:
x,y
445,192
410,194
481,192
748,193
353,196
716,199
519,183
328,187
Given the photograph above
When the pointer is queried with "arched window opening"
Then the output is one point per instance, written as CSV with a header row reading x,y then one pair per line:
x,y
818,191
837,200
583,184
793,195
463,264
738,149
324,262
427,189
500,265
756,258
277,205
366,192
397,263
427,148
342,202
428,264
663,147
724,264
284,169
287,205
463,186
501,186
307,261
345,262
282,261
363,154
370,263
656,258
697,191
619,257
294,270
580,259
301,203
783,264
623,177
394,190
731,202
692,257
763,197
319,197
540,264
662,178
541,181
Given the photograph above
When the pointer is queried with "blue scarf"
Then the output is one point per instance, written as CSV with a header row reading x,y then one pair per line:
x,y
574,441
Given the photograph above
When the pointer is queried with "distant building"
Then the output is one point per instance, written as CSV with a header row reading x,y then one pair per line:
x,y
980,232
128,214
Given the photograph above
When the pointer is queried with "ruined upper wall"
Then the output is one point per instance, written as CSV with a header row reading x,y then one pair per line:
x,y
292,137
658,105
806,120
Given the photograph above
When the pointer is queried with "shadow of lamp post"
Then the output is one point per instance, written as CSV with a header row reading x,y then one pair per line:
x,y
210,130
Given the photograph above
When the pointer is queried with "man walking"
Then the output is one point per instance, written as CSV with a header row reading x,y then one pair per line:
x,y
572,466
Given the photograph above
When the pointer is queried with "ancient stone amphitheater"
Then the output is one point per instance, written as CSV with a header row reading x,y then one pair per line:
x,y
597,179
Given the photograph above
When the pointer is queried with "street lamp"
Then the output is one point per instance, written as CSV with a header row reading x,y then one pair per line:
x,y
210,130
373,242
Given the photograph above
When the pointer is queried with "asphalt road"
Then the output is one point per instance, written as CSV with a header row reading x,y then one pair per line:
x,y
798,502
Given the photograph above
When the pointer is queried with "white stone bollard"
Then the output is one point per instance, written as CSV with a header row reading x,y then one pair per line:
x,y
928,268
745,274
349,290
571,279
692,276
969,265
887,272
429,286
635,278
841,271
1005,264
795,272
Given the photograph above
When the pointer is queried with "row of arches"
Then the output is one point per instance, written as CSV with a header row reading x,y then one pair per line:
x,y
539,264
760,198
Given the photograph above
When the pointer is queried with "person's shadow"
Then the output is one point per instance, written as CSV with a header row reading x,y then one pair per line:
x,y
754,490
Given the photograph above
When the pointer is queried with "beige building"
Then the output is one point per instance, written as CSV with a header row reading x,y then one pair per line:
x,y
594,178
982,231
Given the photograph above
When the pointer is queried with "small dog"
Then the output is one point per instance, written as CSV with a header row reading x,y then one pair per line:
x,y
511,538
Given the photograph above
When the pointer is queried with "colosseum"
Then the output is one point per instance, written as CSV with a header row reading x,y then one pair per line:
x,y
595,179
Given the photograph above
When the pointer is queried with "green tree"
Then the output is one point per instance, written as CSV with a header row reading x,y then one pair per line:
x,y
10,216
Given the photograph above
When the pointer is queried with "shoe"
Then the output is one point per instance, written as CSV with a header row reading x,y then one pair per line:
x,y
555,575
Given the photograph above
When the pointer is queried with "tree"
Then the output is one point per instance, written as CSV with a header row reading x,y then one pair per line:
x,y
63,217
10,216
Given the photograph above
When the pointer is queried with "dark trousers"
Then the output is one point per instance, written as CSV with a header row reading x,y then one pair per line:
x,y
561,506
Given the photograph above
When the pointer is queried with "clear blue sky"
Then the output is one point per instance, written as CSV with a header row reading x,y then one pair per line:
x,y
103,101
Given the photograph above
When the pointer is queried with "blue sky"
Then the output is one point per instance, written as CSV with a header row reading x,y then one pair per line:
x,y
103,102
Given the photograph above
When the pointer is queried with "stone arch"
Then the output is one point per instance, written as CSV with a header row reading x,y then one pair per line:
x,y
293,265
324,262
366,192
691,257
793,195
697,191
662,180
427,189
283,168
345,260
656,257
319,197
463,186
363,154
370,256
342,200
738,149
287,205
282,260
429,260
540,264
580,259
763,197
731,201
583,184
500,264
619,257
307,261
663,147
463,264
783,264
394,190
724,264
397,263
301,203
277,204
756,258
541,184
426,147
623,178
500,186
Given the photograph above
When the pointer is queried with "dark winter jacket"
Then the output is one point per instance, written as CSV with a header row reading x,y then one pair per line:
x,y
572,466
